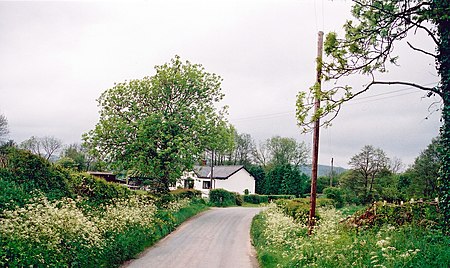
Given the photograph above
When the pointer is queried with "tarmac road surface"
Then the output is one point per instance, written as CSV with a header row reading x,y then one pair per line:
x,y
218,238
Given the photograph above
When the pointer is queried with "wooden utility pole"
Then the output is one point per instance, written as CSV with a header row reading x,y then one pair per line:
x,y
331,174
315,155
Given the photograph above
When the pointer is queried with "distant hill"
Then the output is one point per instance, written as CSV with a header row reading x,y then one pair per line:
x,y
323,170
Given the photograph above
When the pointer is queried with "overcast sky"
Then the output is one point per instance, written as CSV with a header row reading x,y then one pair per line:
x,y
56,58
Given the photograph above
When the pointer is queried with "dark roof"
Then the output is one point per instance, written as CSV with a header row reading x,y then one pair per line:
x,y
219,172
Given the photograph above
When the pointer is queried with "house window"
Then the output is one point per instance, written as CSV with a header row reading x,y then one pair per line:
x,y
206,184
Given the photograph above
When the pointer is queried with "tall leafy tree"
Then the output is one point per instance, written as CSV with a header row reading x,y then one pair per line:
x,y
367,165
285,179
425,171
287,151
158,126
367,49
280,151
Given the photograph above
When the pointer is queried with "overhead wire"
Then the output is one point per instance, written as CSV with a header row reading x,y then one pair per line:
x,y
367,99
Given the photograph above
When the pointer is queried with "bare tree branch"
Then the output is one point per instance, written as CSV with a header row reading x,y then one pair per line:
x,y
421,50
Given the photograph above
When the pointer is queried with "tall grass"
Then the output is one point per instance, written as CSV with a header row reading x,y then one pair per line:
x,y
282,242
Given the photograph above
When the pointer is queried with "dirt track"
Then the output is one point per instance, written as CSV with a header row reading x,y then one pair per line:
x,y
218,238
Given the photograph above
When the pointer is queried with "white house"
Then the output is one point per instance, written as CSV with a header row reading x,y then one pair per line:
x,y
231,178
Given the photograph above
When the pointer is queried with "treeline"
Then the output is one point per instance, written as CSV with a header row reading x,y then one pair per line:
x,y
275,162
374,176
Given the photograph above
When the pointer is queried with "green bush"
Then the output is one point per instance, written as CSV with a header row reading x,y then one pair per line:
x,y
299,208
34,172
29,176
97,190
238,199
186,193
222,198
13,194
335,193
256,199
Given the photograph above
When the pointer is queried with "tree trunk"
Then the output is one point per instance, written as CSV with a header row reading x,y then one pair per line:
x,y
443,61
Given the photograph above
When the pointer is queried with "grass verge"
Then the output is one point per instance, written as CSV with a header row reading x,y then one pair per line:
x,y
282,242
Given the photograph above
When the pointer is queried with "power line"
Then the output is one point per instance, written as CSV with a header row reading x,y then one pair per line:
x,y
355,102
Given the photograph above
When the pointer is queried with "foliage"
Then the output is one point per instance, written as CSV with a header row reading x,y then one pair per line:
x,y
259,174
223,198
186,193
279,151
29,174
77,157
256,199
298,208
285,179
335,193
280,241
243,149
97,190
367,49
368,164
25,175
238,199
67,163
424,172
51,217
416,213
60,234
158,126
324,182
13,194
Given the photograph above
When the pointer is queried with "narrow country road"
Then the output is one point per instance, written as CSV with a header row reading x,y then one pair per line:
x,y
219,238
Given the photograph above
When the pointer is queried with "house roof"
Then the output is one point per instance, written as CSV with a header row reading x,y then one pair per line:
x,y
219,172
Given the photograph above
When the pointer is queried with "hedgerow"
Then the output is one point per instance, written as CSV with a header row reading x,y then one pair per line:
x,y
58,218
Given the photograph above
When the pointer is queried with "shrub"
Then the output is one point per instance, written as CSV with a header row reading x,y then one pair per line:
x,y
61,234
222,198
97,190
335,193
238,199
32,172
186,193
299,208
256,198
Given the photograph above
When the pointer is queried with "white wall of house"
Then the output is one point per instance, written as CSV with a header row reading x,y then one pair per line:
x,y
238,182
